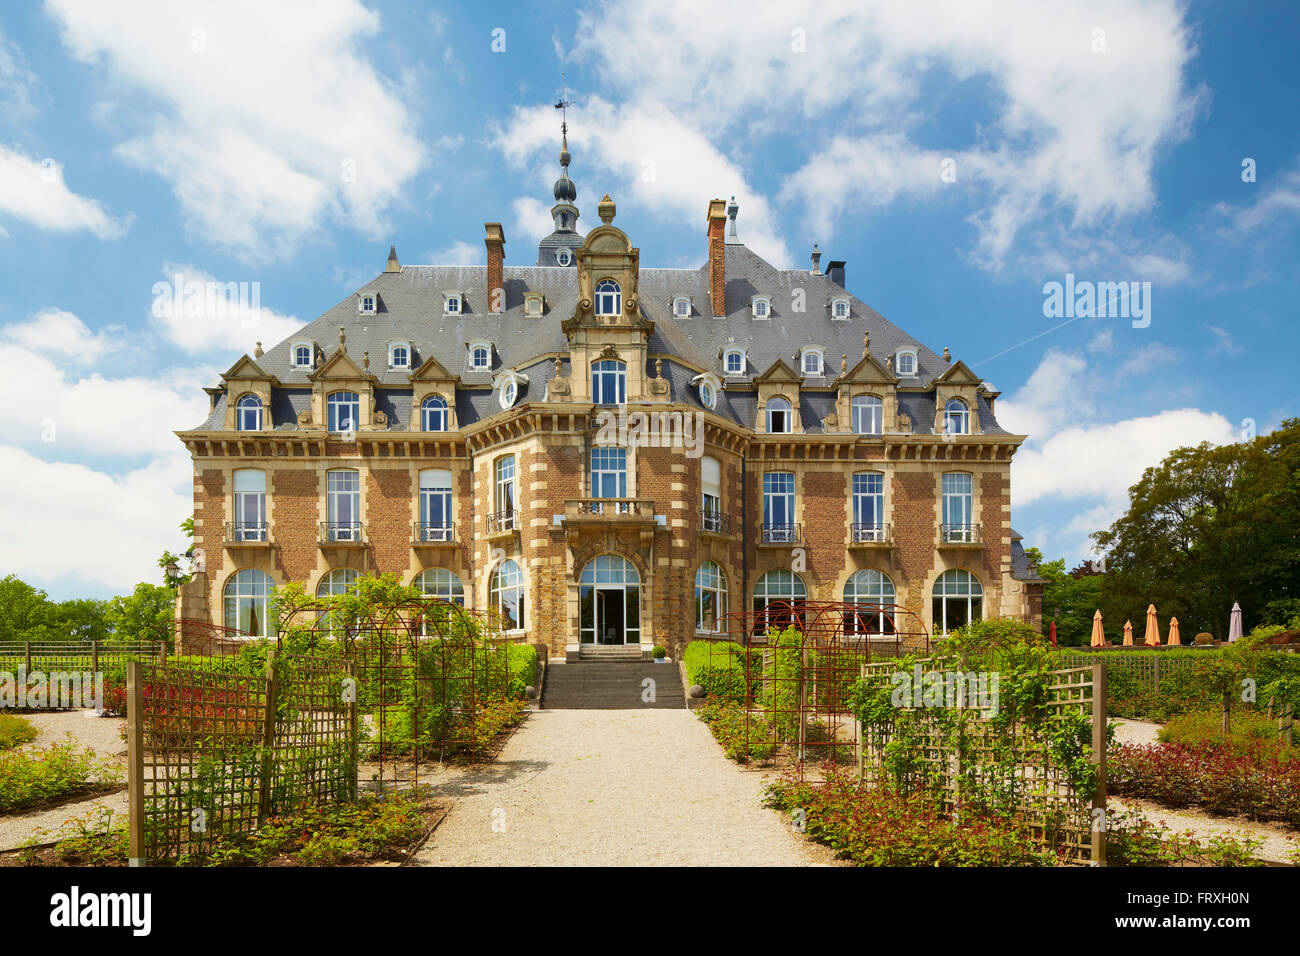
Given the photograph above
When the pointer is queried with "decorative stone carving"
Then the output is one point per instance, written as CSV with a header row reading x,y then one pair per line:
x,y
304,419
380,419
905,423
559,389
657,385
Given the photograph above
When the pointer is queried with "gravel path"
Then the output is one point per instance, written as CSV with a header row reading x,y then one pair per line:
x,y
612,788
1135,731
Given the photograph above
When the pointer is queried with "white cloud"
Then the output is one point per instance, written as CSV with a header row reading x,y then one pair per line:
x,y
33,190
658,162
533,220
63,334
21,93
211,314
263,133
69,521
459,253
1224,342
1279,202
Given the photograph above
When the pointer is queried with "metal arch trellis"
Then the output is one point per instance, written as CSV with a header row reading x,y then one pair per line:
x,y
796,691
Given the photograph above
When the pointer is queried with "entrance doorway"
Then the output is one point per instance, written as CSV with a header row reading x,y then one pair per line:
x,y
609,602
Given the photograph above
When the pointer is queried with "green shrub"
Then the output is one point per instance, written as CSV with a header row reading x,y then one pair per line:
x,y
1249,732
15,730
29,778
718,667
742,737
522,663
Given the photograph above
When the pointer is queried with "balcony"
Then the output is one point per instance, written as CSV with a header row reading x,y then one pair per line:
x,y
502,524
347,534
960,536
871,535
780,535
714,522
629,510
246,534
438,534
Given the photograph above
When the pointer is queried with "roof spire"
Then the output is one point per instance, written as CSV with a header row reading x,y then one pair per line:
x,y
393,265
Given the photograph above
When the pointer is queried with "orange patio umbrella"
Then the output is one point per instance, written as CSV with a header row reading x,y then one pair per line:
x,y
1174,637
1128,633
1098,635
1152,638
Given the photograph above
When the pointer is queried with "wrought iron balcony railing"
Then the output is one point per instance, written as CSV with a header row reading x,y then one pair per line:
x,y
781,533
959,534
434,532
502,521
246,532
715,521
870,533
341,532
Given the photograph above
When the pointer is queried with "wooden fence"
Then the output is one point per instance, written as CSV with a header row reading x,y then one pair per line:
x,y
75,655
212,755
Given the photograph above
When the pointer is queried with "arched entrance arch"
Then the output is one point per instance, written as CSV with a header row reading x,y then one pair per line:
x,y
609,601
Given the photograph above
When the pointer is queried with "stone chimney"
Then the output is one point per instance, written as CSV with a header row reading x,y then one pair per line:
x,y
835,272
495,240
816,260
718,256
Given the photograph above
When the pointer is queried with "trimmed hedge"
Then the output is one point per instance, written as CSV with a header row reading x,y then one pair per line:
x,y
718,667
521,660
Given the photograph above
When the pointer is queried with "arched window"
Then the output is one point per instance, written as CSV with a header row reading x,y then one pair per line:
x,y
480,356
905,363
435,506
868,415
779,597
344,411
958,600
302,356
399,355
710,598
609,297
246,603
956,417
812,362
609,601
733,362
250,505
869,587
780,420
248,414
840,308
506,595
440,583
334,584
433,414
609,382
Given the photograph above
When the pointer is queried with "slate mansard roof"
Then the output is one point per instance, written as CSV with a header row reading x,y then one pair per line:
x,y
409,309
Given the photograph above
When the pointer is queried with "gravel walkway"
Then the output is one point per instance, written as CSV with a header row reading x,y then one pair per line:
x,y
612,788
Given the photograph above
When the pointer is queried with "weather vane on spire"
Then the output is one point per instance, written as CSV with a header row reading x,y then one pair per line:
x,y
563,106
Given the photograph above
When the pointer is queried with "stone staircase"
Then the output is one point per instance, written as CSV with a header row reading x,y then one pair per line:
x,y
611,685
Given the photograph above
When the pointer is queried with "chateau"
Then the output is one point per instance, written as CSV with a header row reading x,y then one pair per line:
x,y
604,453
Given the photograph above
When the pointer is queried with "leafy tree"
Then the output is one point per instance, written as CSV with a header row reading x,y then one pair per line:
x,y
23,610
1069,600
133,616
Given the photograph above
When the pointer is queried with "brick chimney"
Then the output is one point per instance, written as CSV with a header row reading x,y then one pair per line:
x,y
718,256
495,241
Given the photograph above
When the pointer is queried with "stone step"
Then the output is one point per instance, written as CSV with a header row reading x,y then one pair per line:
x,y
610,685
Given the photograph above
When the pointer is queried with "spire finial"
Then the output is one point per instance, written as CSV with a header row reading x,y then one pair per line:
x,y
947,356
563,106
866,342
844,364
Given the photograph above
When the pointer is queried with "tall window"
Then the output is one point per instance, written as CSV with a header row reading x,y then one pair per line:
x,y
957,507
609,298
344,411
343,505
245,600
506,595
435,505
869,587
868,506
868,416
433,414
779,416
779,597
956,417
504,495
609,601
609,382
608,472
710,597
958,599
778,507
250,505
248,414
440,583
711,494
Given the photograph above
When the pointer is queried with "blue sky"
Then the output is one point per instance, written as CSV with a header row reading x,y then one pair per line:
x,y
958,156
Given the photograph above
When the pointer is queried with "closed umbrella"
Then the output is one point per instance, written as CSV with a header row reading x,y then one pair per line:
x,y
1152,638
1174,637
1128,633
1098,635
1234,625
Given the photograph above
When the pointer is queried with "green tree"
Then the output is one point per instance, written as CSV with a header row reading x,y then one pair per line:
x,y
24,610
133,616
1070,599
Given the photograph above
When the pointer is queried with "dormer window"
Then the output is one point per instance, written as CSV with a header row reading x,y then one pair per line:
x,y
609,297
509,393
761,306
534,304
480,355
956,417
707,386
905,363
507,384
399,355
452,303
563,256
733,362
780,417
248,414
302,355
682,307
839,308
366,305
812,362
